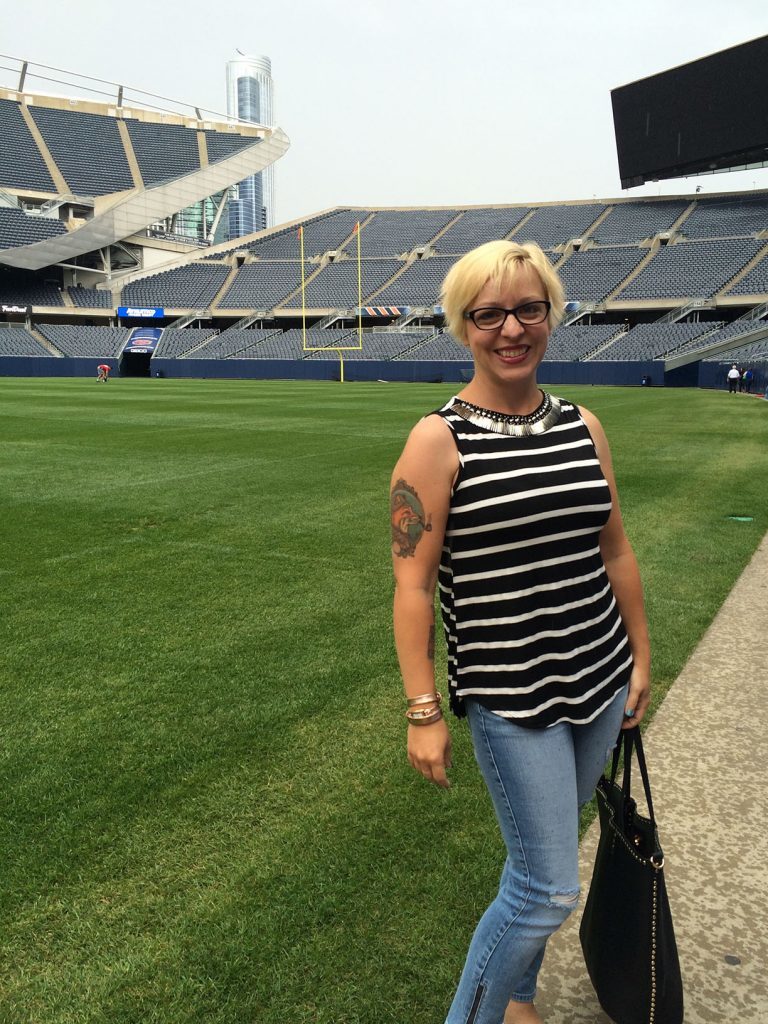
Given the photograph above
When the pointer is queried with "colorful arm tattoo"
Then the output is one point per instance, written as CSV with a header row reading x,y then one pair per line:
x,y
408,520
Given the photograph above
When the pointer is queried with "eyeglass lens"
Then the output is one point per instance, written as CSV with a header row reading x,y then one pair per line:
x,y
530,313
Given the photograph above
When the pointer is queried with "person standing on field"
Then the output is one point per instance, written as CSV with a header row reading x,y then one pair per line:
x,y
733,379
504,501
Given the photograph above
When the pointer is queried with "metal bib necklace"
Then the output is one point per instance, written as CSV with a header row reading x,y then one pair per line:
x,y
536,422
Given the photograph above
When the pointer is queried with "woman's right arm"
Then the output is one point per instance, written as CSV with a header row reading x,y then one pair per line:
x,y
419,502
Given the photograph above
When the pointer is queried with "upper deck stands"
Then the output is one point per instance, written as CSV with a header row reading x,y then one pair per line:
x,y
191,287
727,217
18,228
394,232
90,298
87,149
634,222
221,145
261,285
28,290
163,151
320,236
475,227
692,269
419,284
592,274
754,282
21,165
553,225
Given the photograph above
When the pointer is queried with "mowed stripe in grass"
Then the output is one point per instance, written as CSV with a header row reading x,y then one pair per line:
x,y
207,815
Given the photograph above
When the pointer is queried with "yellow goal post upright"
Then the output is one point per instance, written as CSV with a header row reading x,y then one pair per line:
x,y
333,348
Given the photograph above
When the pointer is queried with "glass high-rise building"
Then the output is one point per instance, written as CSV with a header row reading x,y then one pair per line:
x,y
250,97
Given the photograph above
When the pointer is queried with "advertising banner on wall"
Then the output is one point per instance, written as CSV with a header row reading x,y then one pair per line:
x,y
143,340
140,312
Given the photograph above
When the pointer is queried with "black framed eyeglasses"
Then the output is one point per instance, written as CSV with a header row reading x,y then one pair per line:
x,y
490,318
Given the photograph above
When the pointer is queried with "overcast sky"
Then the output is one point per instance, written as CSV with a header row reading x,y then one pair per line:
x,y
407,102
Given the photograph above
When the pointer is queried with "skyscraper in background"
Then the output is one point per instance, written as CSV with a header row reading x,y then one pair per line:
x,y
250,97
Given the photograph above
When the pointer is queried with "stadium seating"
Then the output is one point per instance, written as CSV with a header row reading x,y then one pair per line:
x,y
177,341
21,165
28,290
320,236
745,355
261,285
634,222
191,287
727,217
163,151
722,333
382,345
691,269
475,227
287,345
577,342
419,284
220,145
87,149
592,274
17,341
649,341
90,298
394,232
229,344
439,347
754,282
336,284
18,228
85,342
553,225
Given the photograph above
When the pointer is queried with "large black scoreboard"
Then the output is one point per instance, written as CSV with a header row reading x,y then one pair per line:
x,y
711,114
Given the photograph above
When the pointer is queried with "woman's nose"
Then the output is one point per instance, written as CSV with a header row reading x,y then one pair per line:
x,y
512,328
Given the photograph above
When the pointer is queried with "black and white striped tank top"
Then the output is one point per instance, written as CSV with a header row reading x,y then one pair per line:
x,y
532,626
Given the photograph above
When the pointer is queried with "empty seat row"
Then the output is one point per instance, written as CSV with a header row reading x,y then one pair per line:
x,y
83,341
18,341
19,228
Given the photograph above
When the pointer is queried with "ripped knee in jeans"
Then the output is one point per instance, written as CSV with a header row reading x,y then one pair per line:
x,y
564,901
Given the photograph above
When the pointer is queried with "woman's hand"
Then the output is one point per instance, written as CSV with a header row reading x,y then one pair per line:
x,y
429,751
638,698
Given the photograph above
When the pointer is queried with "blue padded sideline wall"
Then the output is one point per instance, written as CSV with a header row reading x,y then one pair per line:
x,y
616,374
43,366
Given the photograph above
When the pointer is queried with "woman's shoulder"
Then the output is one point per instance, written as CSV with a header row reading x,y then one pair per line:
x,y
431,443
433,430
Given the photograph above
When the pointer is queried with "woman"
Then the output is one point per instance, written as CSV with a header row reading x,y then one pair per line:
x,y
506,498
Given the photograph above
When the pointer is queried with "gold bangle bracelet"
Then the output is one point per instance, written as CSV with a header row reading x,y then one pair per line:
x,y
428,720
425,698
420,714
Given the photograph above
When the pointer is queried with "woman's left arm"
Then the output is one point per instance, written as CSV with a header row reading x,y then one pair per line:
x,y
624,575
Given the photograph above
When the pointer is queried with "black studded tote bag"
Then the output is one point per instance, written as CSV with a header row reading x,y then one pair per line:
x,y
626,931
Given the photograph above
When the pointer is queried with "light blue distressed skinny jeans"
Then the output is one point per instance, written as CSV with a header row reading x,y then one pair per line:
x,y
538,779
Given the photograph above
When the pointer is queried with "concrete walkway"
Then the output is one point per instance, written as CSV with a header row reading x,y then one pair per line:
x,y
707,753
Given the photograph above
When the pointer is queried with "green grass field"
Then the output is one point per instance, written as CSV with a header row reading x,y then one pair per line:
x,y
207,815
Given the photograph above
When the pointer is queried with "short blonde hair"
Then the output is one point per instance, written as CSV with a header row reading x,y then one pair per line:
x,y
498,262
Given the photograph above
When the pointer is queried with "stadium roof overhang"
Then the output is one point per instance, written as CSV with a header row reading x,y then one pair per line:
x,y
118,216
